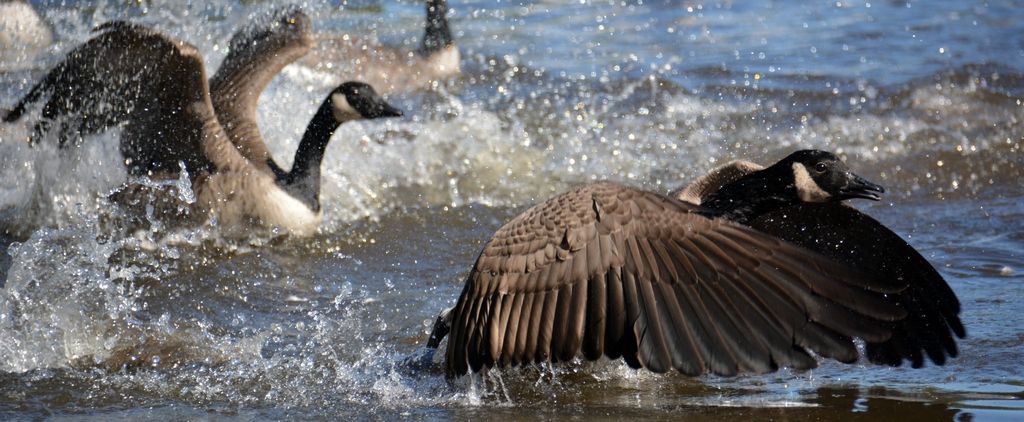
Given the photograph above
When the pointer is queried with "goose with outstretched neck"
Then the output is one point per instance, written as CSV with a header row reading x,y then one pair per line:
x,y
155,87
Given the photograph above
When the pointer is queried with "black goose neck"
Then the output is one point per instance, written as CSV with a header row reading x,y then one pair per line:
x,y
755,194
437,35
303,182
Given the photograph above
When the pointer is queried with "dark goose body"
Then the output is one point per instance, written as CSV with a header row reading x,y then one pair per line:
x,y
852,237
668,285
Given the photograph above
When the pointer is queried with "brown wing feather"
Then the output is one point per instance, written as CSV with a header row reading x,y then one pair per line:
x,y
256,54
595,325
635,274
651,343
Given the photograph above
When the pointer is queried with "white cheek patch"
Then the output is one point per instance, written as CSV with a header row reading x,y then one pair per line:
x,y
806,189
343,111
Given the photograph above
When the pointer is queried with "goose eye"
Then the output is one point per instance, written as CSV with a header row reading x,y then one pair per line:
x,y
820,167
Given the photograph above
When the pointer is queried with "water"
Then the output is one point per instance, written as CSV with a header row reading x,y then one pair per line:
x,y
922,97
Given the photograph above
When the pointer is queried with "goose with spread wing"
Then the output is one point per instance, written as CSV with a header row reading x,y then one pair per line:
x,y
155,88
670,285
847,235
389,69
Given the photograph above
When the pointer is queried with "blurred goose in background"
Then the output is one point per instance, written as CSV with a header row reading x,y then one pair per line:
x,y
389,69
666,284
155,87
23,35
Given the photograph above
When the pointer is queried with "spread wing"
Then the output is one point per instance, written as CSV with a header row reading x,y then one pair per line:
x,y
256,55
131,77
611,270
854,238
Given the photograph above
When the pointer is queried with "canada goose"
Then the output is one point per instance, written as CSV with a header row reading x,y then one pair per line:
x,y
156,86
389,69
850,236
670,285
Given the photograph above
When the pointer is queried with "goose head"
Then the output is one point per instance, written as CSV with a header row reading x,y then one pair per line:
x,y
803,176
359,101
820,176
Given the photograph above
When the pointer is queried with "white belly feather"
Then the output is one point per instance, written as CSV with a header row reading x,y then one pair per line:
x,y
233,198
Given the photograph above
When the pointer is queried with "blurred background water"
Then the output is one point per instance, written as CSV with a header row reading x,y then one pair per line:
x,y
921,97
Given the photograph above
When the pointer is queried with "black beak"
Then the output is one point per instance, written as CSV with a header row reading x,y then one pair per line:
x,y
857,187
384,109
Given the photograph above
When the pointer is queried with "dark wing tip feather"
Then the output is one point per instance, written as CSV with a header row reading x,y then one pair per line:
x,y
132,75
854,239
287,18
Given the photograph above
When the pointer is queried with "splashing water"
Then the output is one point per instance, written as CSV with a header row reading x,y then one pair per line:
x,y
173,323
